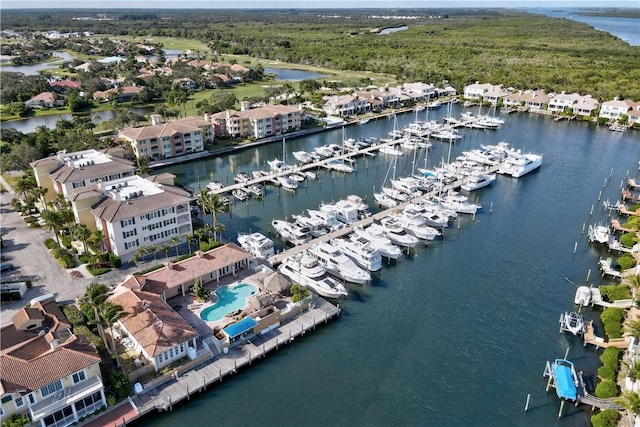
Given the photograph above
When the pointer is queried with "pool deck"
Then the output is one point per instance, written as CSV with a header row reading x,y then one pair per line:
x,y
218,367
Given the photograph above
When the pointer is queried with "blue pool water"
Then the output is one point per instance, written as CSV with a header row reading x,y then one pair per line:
x,y
230,298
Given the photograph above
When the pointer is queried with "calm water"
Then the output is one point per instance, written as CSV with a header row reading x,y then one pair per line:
x,y
285,74
458,333
627,29
230,298
386,31
29,70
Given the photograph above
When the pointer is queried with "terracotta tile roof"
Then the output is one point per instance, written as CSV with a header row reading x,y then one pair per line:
x,y
65,83
112,210
182,126
152,322
187,270
68,174
26,314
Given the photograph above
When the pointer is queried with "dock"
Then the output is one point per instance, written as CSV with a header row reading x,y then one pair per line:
x,y
183,384
590,337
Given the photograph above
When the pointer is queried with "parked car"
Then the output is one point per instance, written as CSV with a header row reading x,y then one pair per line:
x,y
6,266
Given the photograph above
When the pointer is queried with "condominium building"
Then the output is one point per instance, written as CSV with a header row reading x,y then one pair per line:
x,y
135,212
260,122
166,140
49,374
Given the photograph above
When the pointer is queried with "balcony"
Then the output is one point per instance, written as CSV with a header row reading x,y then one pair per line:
x,y
65,397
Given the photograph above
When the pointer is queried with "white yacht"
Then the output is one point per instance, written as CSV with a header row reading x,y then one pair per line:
x,y
257,244
599,234
396,194
362,253
459,203
215,185
302,156
379,242
242,178
393,231
384,200
277,165
415,224
329,218
360,205
345,211
389,149
292,233
307,271
517,164
255,190
339,165
432,215
316,226
338,264
240,194
287,182
476,181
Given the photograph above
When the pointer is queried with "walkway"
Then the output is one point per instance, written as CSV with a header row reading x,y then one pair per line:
x,y
591,338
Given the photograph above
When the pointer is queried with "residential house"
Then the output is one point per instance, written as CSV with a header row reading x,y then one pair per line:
x,y
346,105
63,86
616,109
562,101
134,212
121,94
49,374
419,91
386,97
46,100
495,94
477,90
634,114
532,99
155,330
586,106
172,139
186,83
65,173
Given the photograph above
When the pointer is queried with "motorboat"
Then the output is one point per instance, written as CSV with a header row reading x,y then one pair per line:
x,y
257,244
241,178
259,174
583,296
240,195
360,205
310,174
339,264
434,105
379,242
396,194
389,149
316,226
384,200
572,321
307,271
394,232
599,234
339,165
255,190
291,232
296,177
362,253
363,121
345,211
303,157
287,182
517,164
566,379
323,151
330,218
476,181
608,270
414,223
215,186
459,203
433,217
277,165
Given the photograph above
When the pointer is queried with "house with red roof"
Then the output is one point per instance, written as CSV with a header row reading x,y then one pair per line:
x,y
46,100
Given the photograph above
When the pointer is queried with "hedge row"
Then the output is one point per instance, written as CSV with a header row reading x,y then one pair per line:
x,y
612,320
93,338
74,315
64,258
51,244
615,292
606,418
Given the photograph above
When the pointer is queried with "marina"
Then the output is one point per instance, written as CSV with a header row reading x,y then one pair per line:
x,y
437,346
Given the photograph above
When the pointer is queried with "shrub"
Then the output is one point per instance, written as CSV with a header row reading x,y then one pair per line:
x,y
84,258
111,400
35,225
119,383
610,357
64,258
66,241
606,418
90,336
626,261
612,319
606,389
206,246
615,292
606,373
51,244
29,219
74,315
98,271
628,239
115,261
10,296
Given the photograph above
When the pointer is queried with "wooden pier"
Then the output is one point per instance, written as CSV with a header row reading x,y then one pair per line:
x,y
216,368
591,338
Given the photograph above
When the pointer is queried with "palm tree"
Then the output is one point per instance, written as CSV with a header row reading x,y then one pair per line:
x,y
82,233
212,203
165,248
23,187
633,328
175,240
110,313
198,234
153,249
188,238
98,240
93,298
52,221
629,401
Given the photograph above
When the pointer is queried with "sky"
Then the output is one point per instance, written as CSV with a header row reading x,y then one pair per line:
x,y
302,4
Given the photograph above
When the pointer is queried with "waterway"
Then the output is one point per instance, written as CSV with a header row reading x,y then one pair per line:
x,y
627,29
290,75
390,30
457,333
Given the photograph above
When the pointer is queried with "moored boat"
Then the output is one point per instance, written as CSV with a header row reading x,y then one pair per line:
x,y
307,271
257,244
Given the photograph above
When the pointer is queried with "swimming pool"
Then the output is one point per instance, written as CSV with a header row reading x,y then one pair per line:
x,y
230,298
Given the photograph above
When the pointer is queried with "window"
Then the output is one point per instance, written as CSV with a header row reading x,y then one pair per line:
x,y
6,399
51,388
32,399
79,377
19,401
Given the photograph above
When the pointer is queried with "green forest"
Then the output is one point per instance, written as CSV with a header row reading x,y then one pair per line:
x,y
461,46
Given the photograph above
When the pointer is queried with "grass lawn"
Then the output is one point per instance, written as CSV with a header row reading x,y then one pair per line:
x,y
171,43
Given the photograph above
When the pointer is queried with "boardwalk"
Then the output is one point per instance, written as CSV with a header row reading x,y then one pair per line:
x,y
216,368
591,338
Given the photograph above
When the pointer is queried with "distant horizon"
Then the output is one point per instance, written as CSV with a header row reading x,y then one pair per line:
x,y
317,4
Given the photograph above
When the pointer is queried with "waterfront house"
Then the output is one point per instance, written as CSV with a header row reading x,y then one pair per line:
x,y
165,140
346,105
386,98
268,120
419,91
634,117
477,90
562,101
616,108
134,212
46,100
494,94
65,173
586,106
152,329
49,373
121,94
64,86
532,99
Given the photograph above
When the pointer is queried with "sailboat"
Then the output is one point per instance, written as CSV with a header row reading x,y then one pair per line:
x,y
278,165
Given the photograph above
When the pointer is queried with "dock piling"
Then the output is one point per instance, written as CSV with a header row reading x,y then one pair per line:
x,y
588,274
599,195
591,211
526,406
584,224
575,247
491,207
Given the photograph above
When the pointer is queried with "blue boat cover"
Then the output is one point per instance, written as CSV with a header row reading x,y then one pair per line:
x,y
565,386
